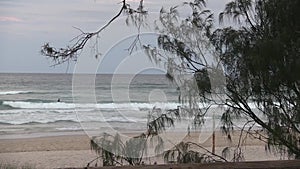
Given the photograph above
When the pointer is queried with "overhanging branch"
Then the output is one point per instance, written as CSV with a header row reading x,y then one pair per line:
x,y
62,55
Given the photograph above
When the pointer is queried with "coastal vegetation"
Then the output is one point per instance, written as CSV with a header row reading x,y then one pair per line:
x,y
255,78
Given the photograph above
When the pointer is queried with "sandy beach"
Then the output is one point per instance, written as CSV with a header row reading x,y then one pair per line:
x,y
74,150
47,152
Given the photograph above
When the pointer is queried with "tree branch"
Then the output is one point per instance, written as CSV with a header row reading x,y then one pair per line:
x,y
64,54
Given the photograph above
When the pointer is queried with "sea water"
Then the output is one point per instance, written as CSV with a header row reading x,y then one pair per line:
x,y
44,103
47,104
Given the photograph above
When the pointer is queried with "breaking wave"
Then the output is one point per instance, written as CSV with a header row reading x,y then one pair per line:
x,y
62,105
13,92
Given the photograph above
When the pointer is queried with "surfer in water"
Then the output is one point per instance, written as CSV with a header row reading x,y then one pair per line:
x,y
58,100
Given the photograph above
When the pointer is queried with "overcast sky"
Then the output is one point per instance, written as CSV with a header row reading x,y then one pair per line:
x,y
25,25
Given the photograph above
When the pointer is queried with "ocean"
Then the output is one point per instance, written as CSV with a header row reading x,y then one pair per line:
x,y
34,105
45,104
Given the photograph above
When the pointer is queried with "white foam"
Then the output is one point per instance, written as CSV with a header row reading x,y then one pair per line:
x,y
48,117
120,106
13,92
32,105
62,105
69,128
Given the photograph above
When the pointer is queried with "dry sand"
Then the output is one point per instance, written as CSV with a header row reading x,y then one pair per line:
x,y
74,150
47,152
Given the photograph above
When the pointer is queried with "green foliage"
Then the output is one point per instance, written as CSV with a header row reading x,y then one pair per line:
x,y
114,150
117,150
159,121
261,60
184,152
203,81
185,40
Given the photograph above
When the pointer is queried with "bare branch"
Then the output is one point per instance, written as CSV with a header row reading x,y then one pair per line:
x,y
62,55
